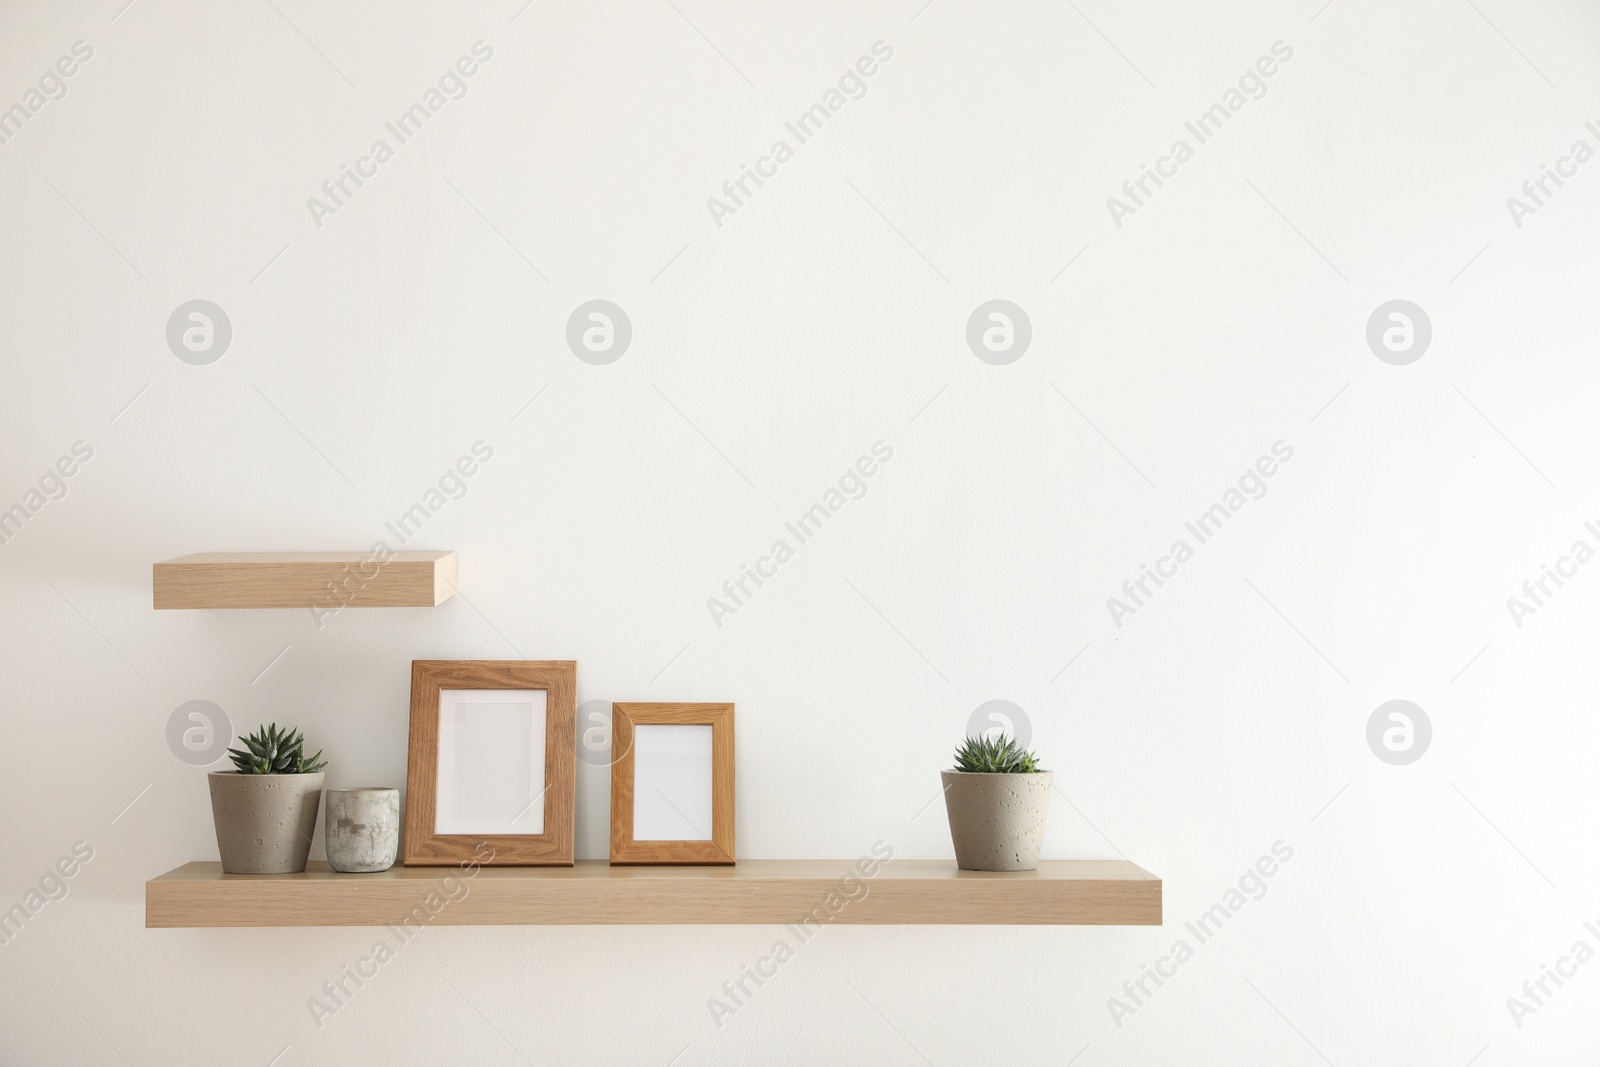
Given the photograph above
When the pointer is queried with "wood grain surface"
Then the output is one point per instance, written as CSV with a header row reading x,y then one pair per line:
x,y
303,579
804,892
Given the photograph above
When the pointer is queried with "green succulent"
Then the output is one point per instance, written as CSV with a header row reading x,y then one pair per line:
x,y
996,755
274,751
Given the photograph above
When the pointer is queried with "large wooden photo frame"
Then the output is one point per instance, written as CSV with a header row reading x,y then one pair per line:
x,y
672,787
492,761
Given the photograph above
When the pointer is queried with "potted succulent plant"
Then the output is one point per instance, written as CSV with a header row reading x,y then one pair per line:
x,y
997,799
266,810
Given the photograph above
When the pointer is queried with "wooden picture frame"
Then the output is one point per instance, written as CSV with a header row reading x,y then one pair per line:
x,y
680,759
476,698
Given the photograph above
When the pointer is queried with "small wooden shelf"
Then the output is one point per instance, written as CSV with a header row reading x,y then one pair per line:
x,y
1089,892
302,580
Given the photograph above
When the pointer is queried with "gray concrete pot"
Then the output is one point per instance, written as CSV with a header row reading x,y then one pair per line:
x,y
264,821
362,829
997,820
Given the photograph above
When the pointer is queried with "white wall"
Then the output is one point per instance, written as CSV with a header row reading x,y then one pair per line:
x,y
828,313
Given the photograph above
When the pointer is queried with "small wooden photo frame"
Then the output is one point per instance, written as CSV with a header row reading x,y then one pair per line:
x,y
672,787
492,761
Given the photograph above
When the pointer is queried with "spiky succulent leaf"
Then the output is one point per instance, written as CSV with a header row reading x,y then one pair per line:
x,y
270,750
995,755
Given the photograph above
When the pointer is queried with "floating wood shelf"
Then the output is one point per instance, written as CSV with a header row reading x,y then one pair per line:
x,y
305,579
1088,892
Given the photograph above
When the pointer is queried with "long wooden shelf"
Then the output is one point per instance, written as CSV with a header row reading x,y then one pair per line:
x,y
325,580
1087,892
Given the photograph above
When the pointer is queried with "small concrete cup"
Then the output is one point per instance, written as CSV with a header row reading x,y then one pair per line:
x,y
362,829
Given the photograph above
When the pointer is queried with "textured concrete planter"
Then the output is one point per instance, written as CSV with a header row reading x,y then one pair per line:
x,y
362,829
997,820
264,821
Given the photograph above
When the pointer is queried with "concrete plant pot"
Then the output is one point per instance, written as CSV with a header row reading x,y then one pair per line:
x,y
362,829
264,821
997,820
